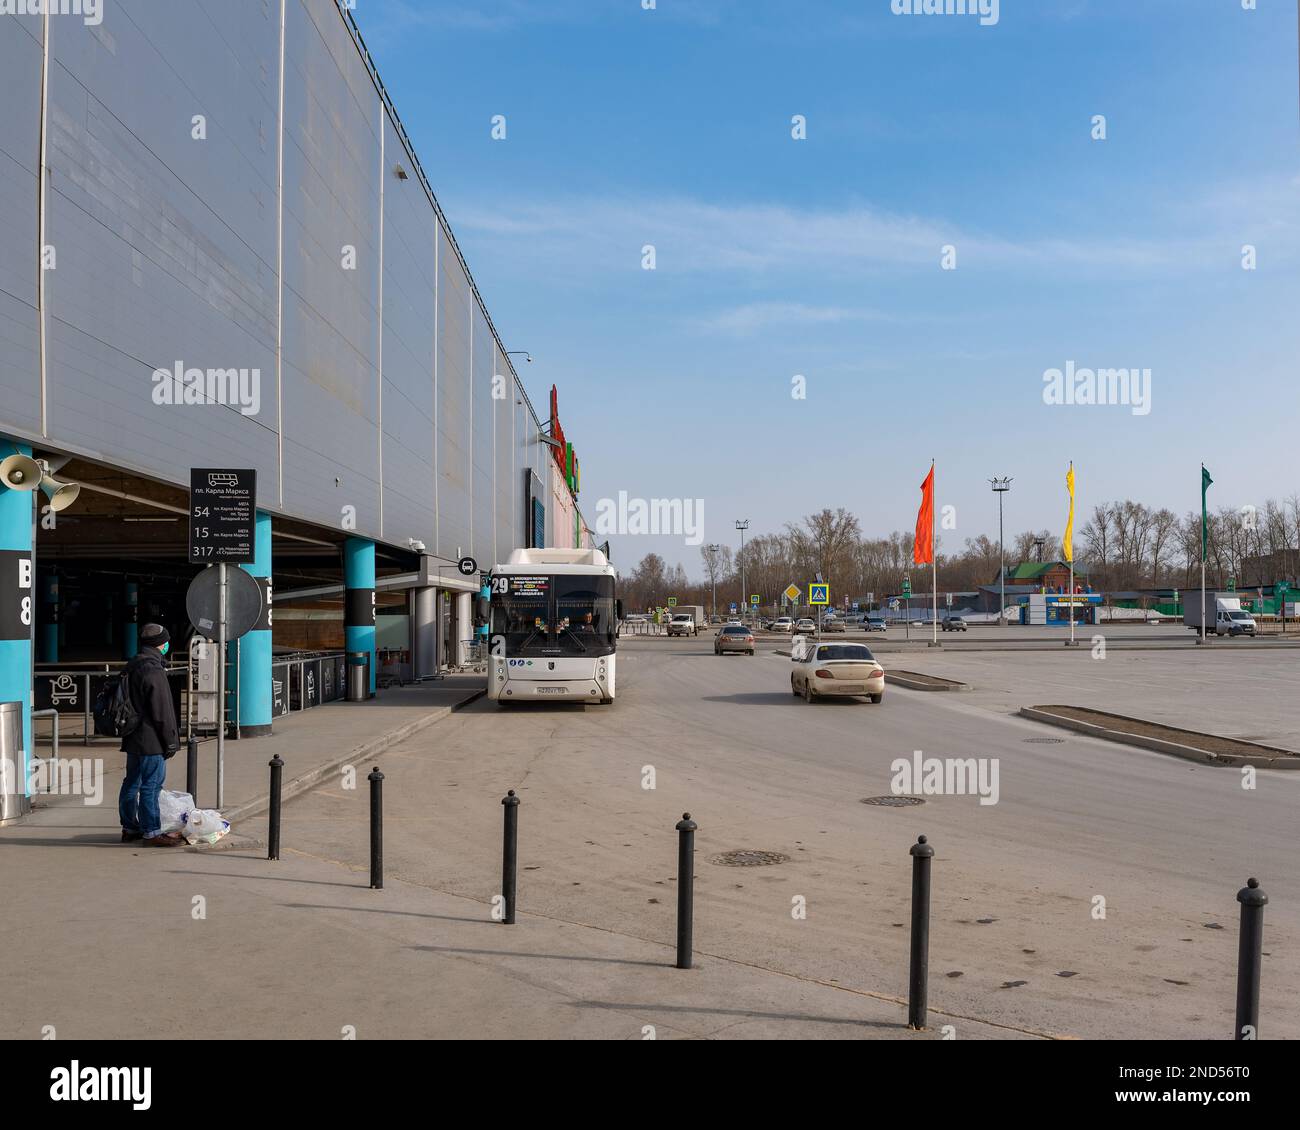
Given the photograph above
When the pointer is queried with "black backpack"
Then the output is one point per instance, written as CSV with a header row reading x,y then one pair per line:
x,y
115,713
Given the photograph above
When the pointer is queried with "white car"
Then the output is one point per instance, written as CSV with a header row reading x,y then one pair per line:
x,y
805,627
783,624
837,670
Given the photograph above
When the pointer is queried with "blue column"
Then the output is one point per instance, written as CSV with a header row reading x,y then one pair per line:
x,y
359,599
18,607
255,646
50,629
131,621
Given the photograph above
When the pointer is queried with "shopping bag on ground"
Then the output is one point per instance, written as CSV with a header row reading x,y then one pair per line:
x,y
204,826
172,807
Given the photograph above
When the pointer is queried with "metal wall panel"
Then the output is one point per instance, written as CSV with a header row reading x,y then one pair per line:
x,y
483,500
454,299
20,140
507,474
331,320
410,295
165,241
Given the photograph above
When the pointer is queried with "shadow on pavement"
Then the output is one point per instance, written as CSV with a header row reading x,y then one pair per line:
x,y
667,963
743,1013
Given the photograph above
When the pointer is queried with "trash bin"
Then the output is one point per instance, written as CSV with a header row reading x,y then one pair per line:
x,y
358,676
14,801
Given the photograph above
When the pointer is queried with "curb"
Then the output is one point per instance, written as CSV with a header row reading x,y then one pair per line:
x,y
312,777
913,684
1159,745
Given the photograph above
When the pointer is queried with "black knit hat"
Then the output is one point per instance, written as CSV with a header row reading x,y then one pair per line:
x,y
153,635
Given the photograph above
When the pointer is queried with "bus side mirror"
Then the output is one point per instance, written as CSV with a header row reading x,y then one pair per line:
x,y
618,609
484,608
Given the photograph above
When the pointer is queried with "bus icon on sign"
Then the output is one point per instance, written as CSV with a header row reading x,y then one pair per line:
x,y
819,594
222,479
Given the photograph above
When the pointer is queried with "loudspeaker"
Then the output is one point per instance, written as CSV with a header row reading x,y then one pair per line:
x,y
18,472
61,495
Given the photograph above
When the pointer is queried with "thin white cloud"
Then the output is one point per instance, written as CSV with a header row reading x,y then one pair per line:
x,y
753,317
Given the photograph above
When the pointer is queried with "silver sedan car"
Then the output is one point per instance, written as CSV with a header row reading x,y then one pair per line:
x,y
733,637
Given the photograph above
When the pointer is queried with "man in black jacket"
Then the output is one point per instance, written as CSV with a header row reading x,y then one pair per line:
x,y
148,746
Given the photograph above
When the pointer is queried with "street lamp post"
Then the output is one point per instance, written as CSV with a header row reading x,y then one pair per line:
x,y
1000,487
742,525
713,575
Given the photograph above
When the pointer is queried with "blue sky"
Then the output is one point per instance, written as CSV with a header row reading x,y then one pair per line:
x,y
821,257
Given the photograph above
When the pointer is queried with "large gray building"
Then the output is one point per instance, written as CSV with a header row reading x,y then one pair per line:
x,y
218,249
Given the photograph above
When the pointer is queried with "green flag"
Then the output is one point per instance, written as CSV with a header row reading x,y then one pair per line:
x,y
1205,521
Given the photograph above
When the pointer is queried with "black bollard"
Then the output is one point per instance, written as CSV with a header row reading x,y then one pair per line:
x,y
686,828
1249,958
273,833
919,971
510,855
376,780
192,768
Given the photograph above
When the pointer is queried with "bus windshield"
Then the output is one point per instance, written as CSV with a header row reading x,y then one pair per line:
x,y
554,614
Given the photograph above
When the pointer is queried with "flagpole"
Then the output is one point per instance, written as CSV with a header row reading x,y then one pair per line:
x,y
1071,560
1203,540
934,569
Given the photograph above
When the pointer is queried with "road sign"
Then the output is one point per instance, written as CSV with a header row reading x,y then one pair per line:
x,y
894,604
792,592
819,594
243,602
1232,583
948,597
468,566
754,600
672,602
223,503
1175,596
907,587
1282,588
733,606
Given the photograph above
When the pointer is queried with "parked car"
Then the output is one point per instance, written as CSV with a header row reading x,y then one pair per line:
x,y
636,618
832,626
954,624
804,627
837,670
783,624
715,619
733,637
875,624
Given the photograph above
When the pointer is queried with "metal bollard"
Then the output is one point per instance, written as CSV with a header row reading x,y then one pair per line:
x,y
918,978
1249,959
192,768
273,832
686,828
510,855
376,780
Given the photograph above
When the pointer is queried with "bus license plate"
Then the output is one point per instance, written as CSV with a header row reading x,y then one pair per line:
x,y
552,690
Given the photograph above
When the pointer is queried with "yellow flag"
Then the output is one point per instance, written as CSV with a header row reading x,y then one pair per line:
x,y
1067,542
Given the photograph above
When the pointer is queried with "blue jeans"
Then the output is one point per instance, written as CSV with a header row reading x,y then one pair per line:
x,y
144,776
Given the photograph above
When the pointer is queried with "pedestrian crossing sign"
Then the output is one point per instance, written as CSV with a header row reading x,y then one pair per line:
x,y
819,594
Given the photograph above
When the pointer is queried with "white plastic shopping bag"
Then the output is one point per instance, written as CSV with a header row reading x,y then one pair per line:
x,y
172,807
204,826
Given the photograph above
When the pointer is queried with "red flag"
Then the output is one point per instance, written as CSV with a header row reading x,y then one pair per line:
x,y
923,545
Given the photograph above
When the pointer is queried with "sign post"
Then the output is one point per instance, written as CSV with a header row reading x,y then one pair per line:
x,y
223,505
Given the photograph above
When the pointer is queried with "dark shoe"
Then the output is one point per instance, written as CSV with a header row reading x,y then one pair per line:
x,y
131,837
167,839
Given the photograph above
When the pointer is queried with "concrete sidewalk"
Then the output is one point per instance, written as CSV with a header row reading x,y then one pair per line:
x,y
312,744
117,941
111,938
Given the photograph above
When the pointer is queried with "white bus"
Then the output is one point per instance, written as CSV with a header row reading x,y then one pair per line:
x,y
553,627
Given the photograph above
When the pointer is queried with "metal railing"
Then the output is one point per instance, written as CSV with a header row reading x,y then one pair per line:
x,y
53,715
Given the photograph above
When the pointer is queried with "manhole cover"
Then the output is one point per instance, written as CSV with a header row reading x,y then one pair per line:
x,y
1043,741
749,858
893,801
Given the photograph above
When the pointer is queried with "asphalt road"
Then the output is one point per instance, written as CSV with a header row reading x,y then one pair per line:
x,y
1016,937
